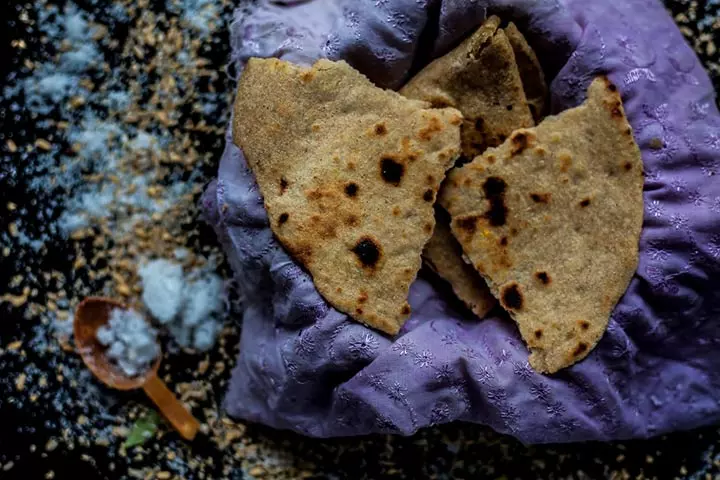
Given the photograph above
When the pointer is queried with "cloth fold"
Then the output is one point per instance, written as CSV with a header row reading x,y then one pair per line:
x,y
304,366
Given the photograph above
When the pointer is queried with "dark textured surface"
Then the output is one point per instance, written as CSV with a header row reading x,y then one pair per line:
x,y
459,451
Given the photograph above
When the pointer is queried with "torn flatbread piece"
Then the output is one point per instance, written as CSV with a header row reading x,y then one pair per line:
x,y
481,79
552,220
349,174
531,73
444,256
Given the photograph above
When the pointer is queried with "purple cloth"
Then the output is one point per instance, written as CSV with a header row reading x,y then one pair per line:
x,y
304,366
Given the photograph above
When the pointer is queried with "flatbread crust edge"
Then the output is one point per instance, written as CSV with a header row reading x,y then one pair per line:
x,y
552,220
349,174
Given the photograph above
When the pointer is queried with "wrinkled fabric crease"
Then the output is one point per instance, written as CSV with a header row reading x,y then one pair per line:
x,y
304,366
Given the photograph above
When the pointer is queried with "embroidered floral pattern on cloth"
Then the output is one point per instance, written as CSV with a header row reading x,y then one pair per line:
x,y
303,366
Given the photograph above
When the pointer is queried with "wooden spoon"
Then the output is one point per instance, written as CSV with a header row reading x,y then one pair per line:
x,y
91,314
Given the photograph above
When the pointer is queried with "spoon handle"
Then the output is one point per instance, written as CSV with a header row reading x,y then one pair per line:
x,y
170,406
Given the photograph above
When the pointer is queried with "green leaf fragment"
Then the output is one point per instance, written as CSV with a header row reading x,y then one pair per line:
x,y
143,430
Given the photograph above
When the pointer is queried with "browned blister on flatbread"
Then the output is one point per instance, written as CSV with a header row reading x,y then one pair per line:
x,y
480,78
552,220
531,73
349,174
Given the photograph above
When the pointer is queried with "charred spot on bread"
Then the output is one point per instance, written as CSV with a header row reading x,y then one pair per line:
x,y
511,297
541,197
494,188
368,252
520,141
391,171
467,224
581,348
351,189
543,277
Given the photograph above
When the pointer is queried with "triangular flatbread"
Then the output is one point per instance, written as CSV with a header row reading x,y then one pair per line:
x,y
531,73
349,174
552,220
481,79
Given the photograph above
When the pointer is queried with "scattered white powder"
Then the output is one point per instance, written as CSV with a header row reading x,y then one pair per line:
x,y
182,335
142,141
86,205
163,288
69,222
117,101
84,57
76,27
101,140
131,341
181,253
51,89
206,334
22,239
98,140
200,15
202,299
104,144
62,327
54,82
188,307
93,166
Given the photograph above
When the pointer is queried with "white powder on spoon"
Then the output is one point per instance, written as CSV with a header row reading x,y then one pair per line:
x,y
131,341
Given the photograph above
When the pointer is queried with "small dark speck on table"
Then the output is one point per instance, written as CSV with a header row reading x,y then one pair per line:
x,y
144,126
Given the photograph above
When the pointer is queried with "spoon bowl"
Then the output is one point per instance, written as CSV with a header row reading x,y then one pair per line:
x,y
93,313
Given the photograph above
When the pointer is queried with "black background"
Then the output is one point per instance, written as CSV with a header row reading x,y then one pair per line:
x,y
379,457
